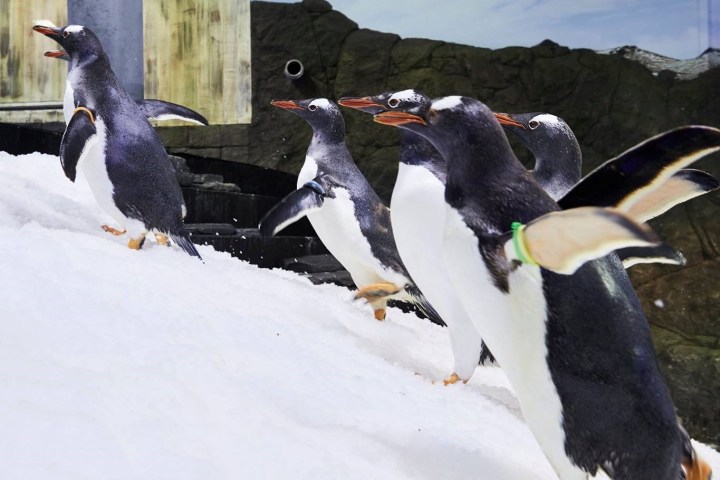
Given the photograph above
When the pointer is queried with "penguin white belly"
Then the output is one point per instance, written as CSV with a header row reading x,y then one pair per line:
x,y
418,219
339,230
68,102
92,163
513,325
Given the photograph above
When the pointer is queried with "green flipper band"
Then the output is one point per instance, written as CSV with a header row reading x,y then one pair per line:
x,y
519,243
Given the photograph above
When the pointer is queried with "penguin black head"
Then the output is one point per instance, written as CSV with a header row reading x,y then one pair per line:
x,y
541,132
322,114
448,122
411,101
78,42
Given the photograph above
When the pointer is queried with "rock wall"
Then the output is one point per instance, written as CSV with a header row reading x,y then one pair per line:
x,y
611,103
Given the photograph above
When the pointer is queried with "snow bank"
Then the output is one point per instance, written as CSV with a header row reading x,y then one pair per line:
x,y
118,364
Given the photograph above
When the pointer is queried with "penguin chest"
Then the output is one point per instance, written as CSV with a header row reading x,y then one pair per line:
x,y
513,324
68,102
418,216
339,230
94,167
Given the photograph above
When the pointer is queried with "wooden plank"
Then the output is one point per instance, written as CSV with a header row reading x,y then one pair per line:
x,y
197,53
25,74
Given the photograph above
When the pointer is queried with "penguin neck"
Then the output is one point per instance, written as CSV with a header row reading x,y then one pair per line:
x,y
329,149
90,58
486,179
415,150
560,169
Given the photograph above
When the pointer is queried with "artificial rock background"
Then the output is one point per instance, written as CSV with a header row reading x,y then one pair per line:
x,y
610,102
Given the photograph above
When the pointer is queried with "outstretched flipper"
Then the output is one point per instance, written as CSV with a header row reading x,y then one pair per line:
x,y
661,254
624,180
161,110
681,187
293,207
563,241
79,137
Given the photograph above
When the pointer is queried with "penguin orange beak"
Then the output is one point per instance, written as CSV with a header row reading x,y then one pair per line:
x,y
398,118
286,104
697,469
505,119
365,104
51,32
57,54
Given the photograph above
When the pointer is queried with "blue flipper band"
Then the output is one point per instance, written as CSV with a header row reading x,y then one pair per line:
x,y
313,185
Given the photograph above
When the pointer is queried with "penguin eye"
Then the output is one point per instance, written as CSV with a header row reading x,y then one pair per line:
x,y
66,34
533,124
312,107
393,102
432,115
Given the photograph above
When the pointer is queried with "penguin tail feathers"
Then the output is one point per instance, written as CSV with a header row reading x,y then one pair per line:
x,y
563,241
486,356
183,241
423,305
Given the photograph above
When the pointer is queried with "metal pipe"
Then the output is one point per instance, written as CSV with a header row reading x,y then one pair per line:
x,y
294,69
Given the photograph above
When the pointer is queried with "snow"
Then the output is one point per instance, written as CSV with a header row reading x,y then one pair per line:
x,y
686,69
118,364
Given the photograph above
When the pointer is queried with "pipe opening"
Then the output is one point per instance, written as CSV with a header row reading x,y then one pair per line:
x,y
294,69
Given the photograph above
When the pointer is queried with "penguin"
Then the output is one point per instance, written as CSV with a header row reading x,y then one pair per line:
x,y
153,109
346,213
558,161
563,321
109,138
418,219
417,215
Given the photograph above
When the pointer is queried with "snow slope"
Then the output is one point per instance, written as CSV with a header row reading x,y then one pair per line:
x,y
119,364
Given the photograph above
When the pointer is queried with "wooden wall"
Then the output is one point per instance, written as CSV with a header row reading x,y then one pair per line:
x,y
197,53
26,76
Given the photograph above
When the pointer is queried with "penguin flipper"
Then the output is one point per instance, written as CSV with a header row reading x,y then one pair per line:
x,y
563,241
293,207
79,137
631,256
161,110
622,181
681,187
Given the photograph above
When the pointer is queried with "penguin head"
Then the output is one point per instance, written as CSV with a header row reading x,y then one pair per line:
x,y
539,131
411,101
447,122
322,114
77,41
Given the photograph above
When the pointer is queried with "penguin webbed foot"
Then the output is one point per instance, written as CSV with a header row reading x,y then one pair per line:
x,y
136,243
452,379
377,291
162,239
112,230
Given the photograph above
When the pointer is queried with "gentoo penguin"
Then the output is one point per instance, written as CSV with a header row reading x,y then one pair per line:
x,y
348,216
417,211
109,137
558,160
575,347
153,109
